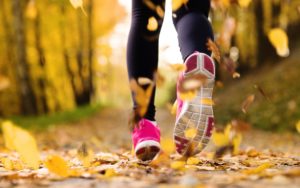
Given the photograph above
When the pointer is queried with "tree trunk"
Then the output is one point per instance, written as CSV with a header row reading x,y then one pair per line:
x,y
90,46
27,95
42,62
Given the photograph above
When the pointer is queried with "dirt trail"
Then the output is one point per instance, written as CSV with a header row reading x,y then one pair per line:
x,y
108,132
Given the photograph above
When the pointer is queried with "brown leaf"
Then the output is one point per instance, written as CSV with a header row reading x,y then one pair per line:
x,y
212,46
262,92
248,101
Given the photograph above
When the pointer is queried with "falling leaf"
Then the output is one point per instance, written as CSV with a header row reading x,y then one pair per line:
x,y
298,126
212,46
190,133
236,75
159,79
179,67
249,100
141,96
160,12
262,92
191,83
244,3
152,24
144,81
174,108
193,161
258,169
167,145
162,159
85,155
236,141
23,142
57,165
220,139
279,40
176,4
178,165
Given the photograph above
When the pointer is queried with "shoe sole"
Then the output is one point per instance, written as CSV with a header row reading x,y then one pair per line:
x,y
197,113
147,150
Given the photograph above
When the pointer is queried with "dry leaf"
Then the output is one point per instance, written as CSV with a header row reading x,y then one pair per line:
x,y
298,126
23,142
110,172
212,46
167,145
258,169
152,24
236,75
280,41
57,165
262,92
249,100
85,155
144,81
236,142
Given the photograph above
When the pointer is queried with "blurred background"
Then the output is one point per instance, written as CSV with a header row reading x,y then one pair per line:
x,y
61,60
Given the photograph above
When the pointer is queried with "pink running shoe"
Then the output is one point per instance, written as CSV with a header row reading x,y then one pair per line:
x,y
197,113
146,140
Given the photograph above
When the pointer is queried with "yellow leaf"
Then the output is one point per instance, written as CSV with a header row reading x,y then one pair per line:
x,y
162,159
152,24
174,108
220,139
176,4
247,102
298,126
258,169
57,165
110,173
207,101
244,3
280,41
236,143
144,81
167,146
85,155
236,75
190,133
76,3
193,161
178,165
23,142
7,163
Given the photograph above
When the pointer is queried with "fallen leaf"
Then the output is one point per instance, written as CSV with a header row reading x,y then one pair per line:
x,y
23,142
110,172
178,165
85,155
258,169
57,165
193,161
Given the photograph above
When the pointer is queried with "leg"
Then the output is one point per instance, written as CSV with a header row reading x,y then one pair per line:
x,y
193,27
142,48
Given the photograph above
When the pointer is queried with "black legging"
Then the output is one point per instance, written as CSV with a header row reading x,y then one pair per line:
x,y
193,28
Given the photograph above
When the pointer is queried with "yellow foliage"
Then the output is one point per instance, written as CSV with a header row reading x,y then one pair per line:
x,y
57,165
280,41
23,142
174,108
222,139
31,10
152,24
244,3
